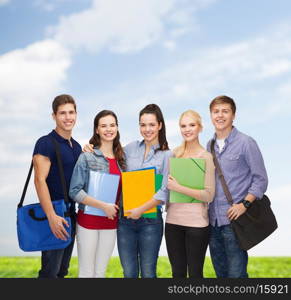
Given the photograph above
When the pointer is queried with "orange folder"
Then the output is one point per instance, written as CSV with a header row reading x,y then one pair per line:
x,y
138,187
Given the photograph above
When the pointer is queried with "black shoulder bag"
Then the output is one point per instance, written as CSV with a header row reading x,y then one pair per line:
x,y
257,223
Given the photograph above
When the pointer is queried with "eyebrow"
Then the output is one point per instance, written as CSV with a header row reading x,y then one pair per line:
x,y
63,111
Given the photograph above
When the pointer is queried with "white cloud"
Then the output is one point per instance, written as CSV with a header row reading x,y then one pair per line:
x,y
126,26
51,5
4,2
170,45
29,76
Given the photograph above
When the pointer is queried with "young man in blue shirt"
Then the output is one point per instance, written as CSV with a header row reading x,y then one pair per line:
x,y
55,263
243,168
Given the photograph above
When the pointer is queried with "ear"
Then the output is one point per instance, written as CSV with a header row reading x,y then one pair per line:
x,y
160,126
54,116
97,131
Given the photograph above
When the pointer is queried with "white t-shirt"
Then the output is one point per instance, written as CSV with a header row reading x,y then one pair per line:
x,y
220,143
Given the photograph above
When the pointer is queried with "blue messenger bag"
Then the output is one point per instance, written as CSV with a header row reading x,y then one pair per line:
x,y
33,230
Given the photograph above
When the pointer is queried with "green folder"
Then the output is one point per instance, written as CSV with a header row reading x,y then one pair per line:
x,y
158,184
189,172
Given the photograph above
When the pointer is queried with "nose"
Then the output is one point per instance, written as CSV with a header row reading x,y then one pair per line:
x,y
220,114
67,116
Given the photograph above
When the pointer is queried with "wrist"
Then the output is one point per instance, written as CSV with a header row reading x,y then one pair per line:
x,y
247,204
139,210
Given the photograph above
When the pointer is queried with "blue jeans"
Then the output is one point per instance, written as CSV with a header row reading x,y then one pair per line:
x,y
138,243
228,259
55,263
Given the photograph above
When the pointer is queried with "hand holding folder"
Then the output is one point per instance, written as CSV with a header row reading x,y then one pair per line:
x,y
138,187
103,187
189,172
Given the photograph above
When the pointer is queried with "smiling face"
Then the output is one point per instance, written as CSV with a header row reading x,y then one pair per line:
x,y
149,128
65,117
222,117
190,128
107,128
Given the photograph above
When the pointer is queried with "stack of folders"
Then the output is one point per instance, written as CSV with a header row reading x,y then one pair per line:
x,y
138,187
103,187
189,172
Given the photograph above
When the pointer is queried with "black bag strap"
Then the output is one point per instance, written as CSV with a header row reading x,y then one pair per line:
x,y
25,185
220,174
61,170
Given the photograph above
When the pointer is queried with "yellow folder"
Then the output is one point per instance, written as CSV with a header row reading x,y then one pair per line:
x,y
138,187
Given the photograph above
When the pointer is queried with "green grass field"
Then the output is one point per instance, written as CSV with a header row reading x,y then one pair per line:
x,y
258,267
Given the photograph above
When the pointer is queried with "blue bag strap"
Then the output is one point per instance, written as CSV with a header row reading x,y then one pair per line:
x,y
61,170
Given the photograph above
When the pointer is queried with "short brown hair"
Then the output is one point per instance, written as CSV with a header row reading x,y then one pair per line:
x,y
223,99
62,99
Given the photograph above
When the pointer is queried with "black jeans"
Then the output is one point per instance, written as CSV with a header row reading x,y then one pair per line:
x,y
186,248
55,263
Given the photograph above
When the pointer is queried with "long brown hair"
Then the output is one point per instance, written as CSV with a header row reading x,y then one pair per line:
x,y
155,110
96,141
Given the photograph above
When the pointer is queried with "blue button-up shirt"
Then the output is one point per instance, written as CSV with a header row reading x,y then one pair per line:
x,y
134,153
244,171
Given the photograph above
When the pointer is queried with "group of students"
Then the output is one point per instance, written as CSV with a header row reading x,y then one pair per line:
x,y
189,227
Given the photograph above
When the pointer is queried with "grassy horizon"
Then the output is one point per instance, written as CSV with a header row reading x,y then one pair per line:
x,y
258,267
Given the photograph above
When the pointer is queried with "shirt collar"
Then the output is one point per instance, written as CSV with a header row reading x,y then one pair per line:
x,y
231,135
58,137
98,151
154,147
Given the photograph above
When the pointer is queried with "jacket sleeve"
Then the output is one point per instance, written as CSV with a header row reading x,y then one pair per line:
x,y
79,179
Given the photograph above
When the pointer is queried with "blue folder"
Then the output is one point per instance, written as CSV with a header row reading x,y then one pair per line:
x,y
103,187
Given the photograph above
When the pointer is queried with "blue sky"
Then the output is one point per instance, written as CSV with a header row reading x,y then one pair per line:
x,y
122,55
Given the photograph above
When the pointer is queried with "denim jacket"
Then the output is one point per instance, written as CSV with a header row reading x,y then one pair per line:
x,y
87,161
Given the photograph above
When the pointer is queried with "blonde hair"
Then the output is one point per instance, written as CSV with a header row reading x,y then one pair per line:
x,y
179,151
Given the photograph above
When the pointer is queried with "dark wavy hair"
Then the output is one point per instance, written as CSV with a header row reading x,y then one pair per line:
x,y
96,141
155,110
